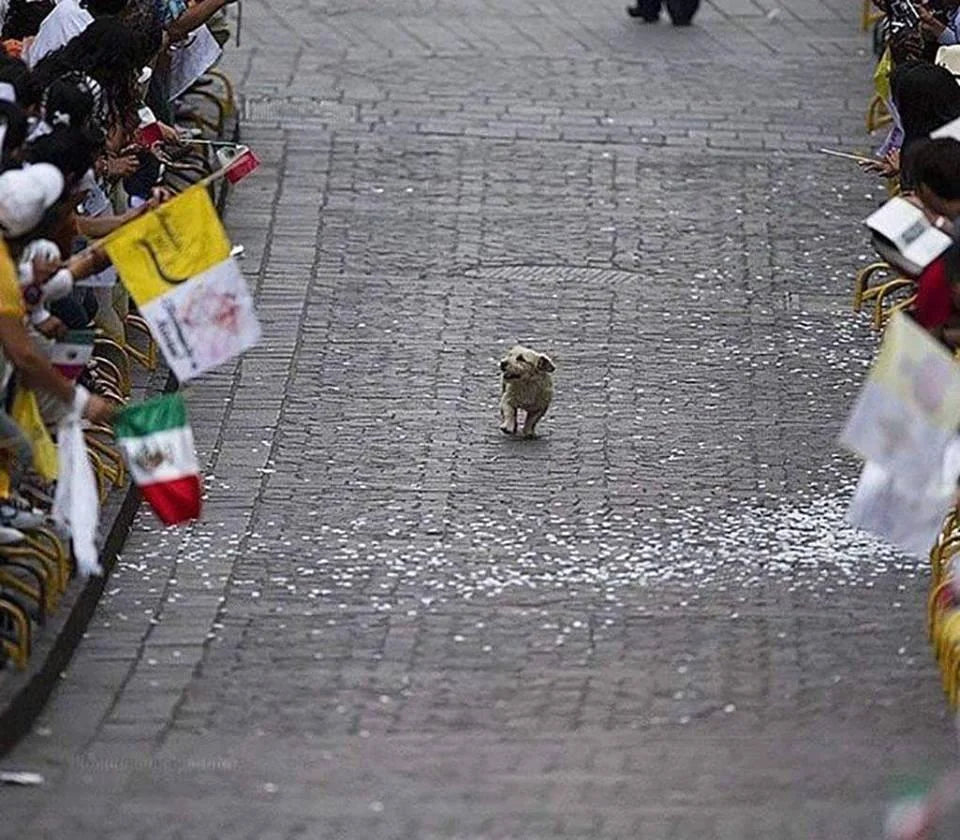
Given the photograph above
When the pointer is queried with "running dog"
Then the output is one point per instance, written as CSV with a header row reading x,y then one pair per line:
x,y
524,383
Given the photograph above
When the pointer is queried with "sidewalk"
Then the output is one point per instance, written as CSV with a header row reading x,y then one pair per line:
x,y
393,622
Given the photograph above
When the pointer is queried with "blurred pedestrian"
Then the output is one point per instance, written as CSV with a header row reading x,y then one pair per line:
x,y
681,11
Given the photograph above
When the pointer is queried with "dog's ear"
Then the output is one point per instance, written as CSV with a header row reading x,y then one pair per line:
x,y
544,363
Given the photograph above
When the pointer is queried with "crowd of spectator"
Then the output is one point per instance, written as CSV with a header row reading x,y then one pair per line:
x,y
90,99
921,94
917,81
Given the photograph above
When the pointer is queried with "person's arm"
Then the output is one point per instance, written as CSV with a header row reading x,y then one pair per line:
x,y
37,372
87,262
195,17
931,26
93,227
33,367
951,33
950,36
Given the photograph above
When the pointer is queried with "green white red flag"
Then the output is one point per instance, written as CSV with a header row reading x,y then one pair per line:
x,y
158,443
71,353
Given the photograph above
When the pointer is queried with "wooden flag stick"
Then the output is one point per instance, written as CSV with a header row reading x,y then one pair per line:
x,y
103,240
848,156
210,143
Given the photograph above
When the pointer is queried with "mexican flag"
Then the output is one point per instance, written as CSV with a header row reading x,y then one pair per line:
x,y
159,448
70,354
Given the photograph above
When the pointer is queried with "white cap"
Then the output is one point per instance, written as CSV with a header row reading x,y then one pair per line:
x,y
25,195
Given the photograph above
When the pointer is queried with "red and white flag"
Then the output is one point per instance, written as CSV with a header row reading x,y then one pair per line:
x,y
158,443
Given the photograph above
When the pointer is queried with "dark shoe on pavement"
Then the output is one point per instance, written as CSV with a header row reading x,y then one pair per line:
x,y
636,12
682,11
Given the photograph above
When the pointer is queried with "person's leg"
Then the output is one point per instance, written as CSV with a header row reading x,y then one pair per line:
x,y
648,10
88,300
682,11
107,317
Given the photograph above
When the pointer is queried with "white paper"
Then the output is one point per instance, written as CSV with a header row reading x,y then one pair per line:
x,y
908,228
204,322
20,777
190,62
908,518
909,408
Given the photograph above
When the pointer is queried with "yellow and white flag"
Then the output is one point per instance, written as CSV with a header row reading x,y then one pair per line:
x,y
176,264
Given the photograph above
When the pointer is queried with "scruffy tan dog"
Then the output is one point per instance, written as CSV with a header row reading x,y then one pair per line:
x,y
524,383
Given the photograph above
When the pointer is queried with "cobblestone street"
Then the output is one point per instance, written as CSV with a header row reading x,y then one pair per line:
x,y
396,622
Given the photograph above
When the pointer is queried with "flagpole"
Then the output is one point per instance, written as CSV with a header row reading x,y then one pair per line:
x,y
216,143
103,240
847,156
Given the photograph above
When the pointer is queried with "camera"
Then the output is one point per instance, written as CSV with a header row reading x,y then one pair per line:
x,y
905,13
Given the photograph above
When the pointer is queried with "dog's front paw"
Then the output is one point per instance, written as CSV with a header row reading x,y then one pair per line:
x,y
507,430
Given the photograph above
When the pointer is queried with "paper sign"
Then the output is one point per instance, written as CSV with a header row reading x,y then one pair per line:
x,y
205,322
908,228
909,407
909,520
909,517
189,61
951,130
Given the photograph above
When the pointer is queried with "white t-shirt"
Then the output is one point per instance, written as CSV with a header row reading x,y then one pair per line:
x,y
63,24
95,203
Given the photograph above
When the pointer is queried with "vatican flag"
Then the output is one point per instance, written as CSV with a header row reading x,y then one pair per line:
x,y
175,262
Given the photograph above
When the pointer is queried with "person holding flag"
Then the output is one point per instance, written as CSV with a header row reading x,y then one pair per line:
x,y
25,197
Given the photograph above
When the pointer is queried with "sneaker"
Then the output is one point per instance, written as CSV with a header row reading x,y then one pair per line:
x,y
12,515
634,11
10,536
17,512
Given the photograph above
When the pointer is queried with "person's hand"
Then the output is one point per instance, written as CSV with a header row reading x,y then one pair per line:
x,y
122,166
99,411
892,161
135,212
169,133
53,327
888,166
88,262
929,24
158,195
44,268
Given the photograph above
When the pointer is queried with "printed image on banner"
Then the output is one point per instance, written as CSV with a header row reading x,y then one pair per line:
x,y
205,322
909,407
176,264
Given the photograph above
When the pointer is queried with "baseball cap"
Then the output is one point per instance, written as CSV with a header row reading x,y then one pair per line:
x,y
25,195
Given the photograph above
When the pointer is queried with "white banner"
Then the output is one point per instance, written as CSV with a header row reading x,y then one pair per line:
x,y
205,321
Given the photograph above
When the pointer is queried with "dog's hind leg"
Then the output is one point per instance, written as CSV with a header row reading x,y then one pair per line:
x,y
508,418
